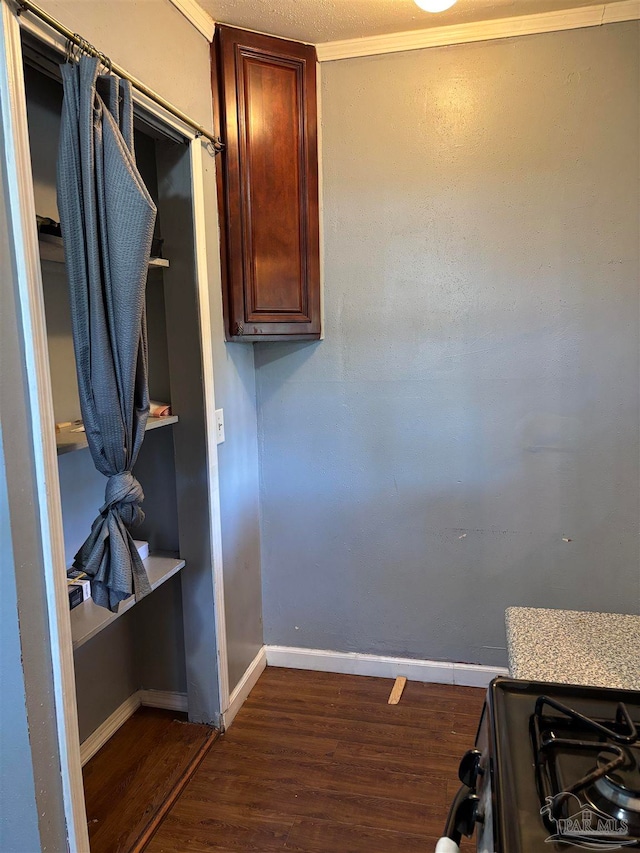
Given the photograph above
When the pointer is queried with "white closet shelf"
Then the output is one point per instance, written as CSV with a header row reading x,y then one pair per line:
x,y
68,441
51,249
87,619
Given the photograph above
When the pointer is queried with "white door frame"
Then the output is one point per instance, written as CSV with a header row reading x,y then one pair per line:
x,y
24,239
198,150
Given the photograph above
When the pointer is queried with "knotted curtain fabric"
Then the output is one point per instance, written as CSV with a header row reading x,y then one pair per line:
x,y
107,218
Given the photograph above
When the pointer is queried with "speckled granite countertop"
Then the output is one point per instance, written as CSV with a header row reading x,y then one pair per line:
x,y
574,647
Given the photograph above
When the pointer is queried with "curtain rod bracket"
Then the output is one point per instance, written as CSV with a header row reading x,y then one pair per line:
x,y
214,144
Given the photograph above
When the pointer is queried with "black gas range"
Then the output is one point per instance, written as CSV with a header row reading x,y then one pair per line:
x,y
556,767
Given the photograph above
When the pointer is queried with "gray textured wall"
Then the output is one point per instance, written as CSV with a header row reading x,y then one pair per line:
x,y
18,809
152,40
238,460
476,398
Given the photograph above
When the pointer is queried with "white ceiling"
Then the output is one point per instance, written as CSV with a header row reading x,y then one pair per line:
x,y
319,21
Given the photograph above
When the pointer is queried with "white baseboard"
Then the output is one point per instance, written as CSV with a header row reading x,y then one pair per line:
x,y
150,698
476,675
245,686
354,663
163,699
97,739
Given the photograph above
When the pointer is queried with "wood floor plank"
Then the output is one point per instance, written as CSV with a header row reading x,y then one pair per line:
x,y
421,761
235,798
277,742
320,763
350,778
444,740
368,712
422,697
242,833
129,781
319,836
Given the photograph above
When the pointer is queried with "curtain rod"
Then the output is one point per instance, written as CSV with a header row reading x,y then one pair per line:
x,y
86,47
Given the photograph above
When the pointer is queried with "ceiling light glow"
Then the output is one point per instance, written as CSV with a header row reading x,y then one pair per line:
x,y
435,5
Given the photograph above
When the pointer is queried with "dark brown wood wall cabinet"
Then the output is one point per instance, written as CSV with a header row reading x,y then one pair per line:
x,y
264,94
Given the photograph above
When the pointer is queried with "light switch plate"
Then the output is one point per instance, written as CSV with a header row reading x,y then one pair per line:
x,y
219,426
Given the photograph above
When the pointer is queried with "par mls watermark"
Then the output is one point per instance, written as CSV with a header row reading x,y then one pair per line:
x,y
584,826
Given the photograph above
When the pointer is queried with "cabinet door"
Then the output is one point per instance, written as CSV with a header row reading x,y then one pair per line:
x,y
265,106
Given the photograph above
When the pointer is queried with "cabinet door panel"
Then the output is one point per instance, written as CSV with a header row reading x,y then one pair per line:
x,y
275,220
269,185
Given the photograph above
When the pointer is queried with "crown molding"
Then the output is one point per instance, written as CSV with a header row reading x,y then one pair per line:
x,y
523,25
622,10
196,15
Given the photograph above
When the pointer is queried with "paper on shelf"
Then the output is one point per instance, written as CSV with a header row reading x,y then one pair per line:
x,y
159,410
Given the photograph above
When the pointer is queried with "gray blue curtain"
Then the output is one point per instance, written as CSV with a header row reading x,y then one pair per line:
x,y
107,218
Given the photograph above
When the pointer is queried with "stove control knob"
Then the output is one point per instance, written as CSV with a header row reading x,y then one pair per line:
x,y
468,815
470,769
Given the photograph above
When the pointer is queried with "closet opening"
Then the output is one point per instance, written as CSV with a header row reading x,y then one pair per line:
x,y
165,650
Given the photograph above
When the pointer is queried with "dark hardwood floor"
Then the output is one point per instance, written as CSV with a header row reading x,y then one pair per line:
x,y
320,763
137,773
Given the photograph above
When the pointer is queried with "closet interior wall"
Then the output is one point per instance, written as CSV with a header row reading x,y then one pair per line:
x,y
147,647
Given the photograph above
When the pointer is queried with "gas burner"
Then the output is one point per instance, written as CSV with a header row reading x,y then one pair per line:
x,y
585,763
621,786
556,767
